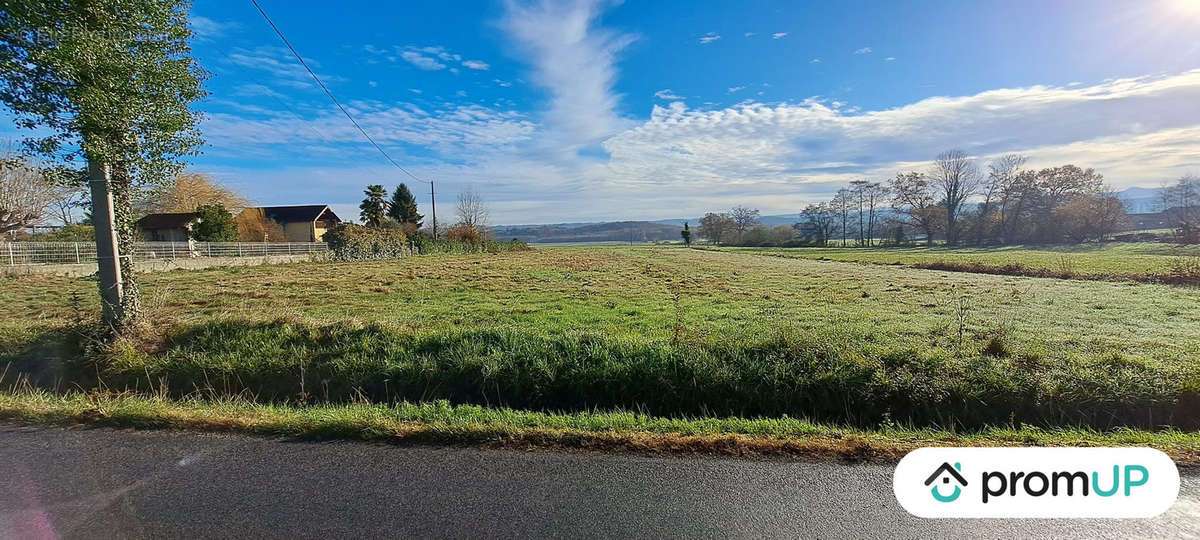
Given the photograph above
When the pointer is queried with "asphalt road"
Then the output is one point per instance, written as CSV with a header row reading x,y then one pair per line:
x,y
98,483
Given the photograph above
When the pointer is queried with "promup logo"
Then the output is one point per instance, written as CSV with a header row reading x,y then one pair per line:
x,y
946,472
1036,482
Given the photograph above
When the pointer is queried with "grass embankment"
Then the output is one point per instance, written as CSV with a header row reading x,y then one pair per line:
x,y
669,332
1144,262
443,423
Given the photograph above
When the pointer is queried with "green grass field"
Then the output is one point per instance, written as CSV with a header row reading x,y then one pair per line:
x,y
1112,259
665,331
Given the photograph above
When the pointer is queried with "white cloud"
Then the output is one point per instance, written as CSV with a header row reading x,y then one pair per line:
x,y
779,35
749,34
815,61
734,89
1125,128
501,83
574,61
864,50
478,65
206,29
452,130
890,59
667,94
281,65
709,37
421,61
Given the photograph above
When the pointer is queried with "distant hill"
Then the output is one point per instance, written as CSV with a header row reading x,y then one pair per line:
x,y
611,231
1140,200
1137,200
769,221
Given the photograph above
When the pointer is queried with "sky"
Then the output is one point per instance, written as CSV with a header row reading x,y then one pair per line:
x,y
599,110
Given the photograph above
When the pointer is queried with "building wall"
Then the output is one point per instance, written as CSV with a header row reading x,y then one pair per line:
x,y
165,235
319,229
299,232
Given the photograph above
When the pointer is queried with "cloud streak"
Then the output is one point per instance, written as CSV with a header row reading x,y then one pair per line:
x,y
574,61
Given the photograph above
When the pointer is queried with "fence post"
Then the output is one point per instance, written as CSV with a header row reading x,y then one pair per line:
x,y
172,250
11,261
239,245
77,253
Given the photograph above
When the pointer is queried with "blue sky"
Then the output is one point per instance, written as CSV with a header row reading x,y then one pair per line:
x,y
588,110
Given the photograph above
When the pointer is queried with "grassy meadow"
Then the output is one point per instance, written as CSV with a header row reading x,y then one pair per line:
x,y
1084,260
667,332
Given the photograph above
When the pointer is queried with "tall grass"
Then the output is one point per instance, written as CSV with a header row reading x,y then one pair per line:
x,y
844,377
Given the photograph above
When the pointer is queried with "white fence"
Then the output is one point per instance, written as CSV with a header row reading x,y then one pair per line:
x,y
18,253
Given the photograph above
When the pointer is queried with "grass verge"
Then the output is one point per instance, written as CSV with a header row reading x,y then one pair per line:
x,y
442,423
852,377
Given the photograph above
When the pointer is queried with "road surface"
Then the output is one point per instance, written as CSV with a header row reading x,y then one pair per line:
x,y
100,483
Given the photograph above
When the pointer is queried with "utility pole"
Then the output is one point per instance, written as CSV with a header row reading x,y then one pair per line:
x,y
433,204
108,255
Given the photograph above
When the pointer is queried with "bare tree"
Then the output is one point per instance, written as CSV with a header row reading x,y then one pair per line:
x,y
912,196
25,192
1181,206
955,178
187,192
820,221
1002,172
842,203
471,210
874,193
717,227
743,218
69,199
858,189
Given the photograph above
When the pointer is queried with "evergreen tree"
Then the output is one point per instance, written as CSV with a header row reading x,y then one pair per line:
x,y
686,233
404,207
374,208
216,224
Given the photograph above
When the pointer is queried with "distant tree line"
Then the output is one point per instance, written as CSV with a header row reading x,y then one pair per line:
x,y
957,202
1180,205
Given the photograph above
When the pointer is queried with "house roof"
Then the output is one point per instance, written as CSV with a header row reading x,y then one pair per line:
x,y
300,213
167,221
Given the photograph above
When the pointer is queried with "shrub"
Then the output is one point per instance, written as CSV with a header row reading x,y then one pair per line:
x,y
468,234
216,224
349,242
427,245
69,233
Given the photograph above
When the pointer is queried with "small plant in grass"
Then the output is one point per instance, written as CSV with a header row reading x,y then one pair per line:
x,y
1066,266
996,345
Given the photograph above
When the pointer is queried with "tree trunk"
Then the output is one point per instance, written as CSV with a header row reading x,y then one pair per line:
x,y
126,233
107,249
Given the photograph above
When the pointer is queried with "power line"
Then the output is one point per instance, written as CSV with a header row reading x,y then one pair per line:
x,y
330,94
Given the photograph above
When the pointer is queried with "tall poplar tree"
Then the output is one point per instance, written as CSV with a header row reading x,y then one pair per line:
x,y
110,84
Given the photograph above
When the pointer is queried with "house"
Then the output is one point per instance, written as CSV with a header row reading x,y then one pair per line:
x,y
175,227
304,223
